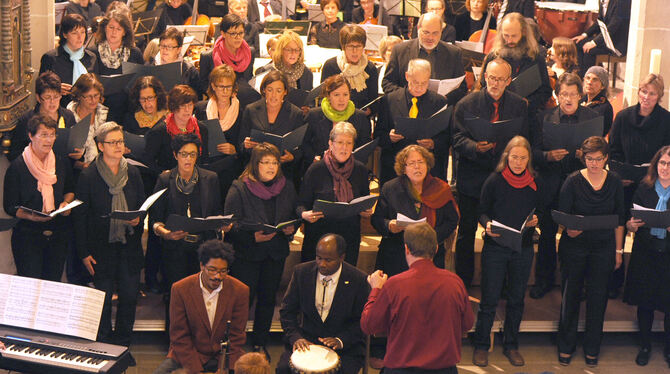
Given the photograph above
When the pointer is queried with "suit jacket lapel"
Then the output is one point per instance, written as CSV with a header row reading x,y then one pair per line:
x,y
226,289
199,303
339,299
262,117
311,293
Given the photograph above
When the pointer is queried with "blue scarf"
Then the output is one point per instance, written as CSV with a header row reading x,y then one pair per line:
x,y
78,68
663,196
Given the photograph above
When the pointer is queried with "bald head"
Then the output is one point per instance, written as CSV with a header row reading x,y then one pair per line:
x,y
330,252
430,30
498,76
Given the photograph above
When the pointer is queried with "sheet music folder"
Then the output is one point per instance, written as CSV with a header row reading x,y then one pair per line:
x,y
509,236
286,142
493,132
585,223
651,217
114,84
269,229
168,74
340,210
136,144
570,136
130,215
195,224
68,139
424,128
628,171
527,82
215,136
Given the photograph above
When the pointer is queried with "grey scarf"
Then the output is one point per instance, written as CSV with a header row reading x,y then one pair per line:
x,y
115,183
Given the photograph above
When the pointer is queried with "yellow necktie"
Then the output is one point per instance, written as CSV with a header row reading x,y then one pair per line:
x,y
414,110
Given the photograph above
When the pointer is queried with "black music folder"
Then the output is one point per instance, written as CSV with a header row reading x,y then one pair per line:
x,y
73,137
628,171
129,215
424,128
651,217
585,223
509,236
286,142
73,204
115,84
570,136
215,136
340,210
136,144
493,132
300,98
190,224
168,74
363,152
527,82
269,229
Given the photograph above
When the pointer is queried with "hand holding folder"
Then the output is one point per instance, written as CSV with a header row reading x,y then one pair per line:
x,y
508,236
424,128
493,132
269,229
651,217
340,210
130,215
287,142
195,224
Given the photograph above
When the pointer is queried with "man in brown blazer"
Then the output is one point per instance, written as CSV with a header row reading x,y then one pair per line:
x,y
200,305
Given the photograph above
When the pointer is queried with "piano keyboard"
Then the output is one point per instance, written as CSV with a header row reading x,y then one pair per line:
x,y
54,357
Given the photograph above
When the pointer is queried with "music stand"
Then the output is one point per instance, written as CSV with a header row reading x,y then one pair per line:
x,y
314,13
287,9
147,22
375,34
59,12
407,8
277,27
199,32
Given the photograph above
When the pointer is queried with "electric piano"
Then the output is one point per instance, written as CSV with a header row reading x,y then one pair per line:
x,y
32,351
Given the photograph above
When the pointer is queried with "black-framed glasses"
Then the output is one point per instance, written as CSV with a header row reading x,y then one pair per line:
x,y
114,142
214,271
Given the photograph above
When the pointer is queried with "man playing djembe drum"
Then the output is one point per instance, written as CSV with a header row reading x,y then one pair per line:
x,y
328,295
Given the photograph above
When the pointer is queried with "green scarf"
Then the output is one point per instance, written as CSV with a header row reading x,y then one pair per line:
x,y
335,115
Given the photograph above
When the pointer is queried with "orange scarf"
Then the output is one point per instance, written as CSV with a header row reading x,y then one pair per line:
x,y
436,194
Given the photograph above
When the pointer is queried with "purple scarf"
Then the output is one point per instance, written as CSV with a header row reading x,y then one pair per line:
x,y
263,192
343,190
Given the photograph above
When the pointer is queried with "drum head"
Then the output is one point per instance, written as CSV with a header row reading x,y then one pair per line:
x,y
316,359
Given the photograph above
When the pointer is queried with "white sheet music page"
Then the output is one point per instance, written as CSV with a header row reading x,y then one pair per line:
x,y
50,306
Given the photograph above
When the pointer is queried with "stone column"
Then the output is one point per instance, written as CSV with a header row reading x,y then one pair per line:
x,y
649,29
42,30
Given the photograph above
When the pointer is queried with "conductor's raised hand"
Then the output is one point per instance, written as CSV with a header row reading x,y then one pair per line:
x,y
377,279
301,345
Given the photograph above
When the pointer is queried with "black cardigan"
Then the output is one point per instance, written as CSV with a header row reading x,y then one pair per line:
x,y
91,221
635,139
361,98
158,153
508,205
245,206
174,202
20,189
318,132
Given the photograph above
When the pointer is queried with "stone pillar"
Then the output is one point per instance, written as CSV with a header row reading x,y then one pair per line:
x,y
649,29
42,30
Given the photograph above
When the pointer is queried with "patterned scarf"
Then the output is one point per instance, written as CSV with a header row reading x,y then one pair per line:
x,y
292,73
354,73
340,173
115,184
113,59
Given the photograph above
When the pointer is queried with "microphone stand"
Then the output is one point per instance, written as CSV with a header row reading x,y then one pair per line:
x,y
224,362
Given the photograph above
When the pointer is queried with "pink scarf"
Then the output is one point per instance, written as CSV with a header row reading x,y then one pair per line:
x,y
45,173
239,62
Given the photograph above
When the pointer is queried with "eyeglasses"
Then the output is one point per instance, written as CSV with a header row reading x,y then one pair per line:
x,y
147,98
235,34
664,163
46,136
518,158
428,33
168,47
269,163
354,47
215,271
594,159
414,164
51,98
187,154
494,79
94,97
292,50
115,142
222,87
565,95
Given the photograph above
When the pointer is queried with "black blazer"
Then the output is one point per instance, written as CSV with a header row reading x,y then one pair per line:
x,y
91,224
20,137
300,319
20,188
158,154
168,203
474,167
450,67
246,207
252,9
617,20
255,116
58,61
525,7
318,132
207,65
361,98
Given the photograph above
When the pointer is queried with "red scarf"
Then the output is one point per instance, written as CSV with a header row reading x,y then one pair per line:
x,y
173,130
239,62
435,194
519,181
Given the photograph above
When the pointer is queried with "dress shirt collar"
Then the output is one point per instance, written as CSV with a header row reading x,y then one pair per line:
x,y
408,97
421,264
205,290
